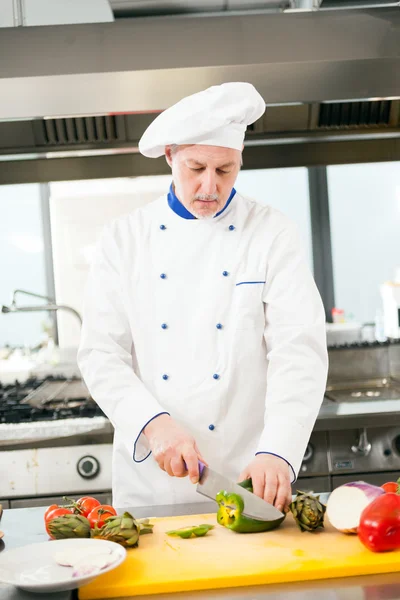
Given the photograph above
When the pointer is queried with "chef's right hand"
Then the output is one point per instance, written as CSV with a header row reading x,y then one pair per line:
x,y
171,446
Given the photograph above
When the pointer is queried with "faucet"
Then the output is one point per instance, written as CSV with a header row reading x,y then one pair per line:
x,y
51,305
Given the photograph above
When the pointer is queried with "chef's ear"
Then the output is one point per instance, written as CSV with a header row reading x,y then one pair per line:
x,y
168,155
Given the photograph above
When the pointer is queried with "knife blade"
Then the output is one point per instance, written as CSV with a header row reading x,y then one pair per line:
x,y
211,482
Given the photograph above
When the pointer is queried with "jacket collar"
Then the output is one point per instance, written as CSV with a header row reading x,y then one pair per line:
x,y
176,205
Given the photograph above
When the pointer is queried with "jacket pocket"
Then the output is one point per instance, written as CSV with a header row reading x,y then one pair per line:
x,y
248,305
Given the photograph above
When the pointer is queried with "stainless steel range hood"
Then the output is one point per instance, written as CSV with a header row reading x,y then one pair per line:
x,y
330,79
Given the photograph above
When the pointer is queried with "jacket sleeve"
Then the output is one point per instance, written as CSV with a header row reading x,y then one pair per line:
x,y
105,352
295,336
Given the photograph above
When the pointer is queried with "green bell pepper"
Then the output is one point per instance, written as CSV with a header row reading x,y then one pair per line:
x,y
230,508
188,532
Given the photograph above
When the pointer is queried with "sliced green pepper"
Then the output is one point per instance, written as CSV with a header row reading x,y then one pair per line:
x,y
247,484
230,509
188,532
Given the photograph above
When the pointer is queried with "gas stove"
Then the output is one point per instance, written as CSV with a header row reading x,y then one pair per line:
x,y
49,408
47,399
54,439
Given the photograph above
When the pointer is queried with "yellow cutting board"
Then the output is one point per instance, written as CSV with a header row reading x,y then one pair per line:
x,y
223,558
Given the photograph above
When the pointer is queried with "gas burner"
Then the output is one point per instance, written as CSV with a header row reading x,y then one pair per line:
x,y
48,399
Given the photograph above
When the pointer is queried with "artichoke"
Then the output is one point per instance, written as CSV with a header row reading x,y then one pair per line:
x,y
144,526
69,526
124,530
308,511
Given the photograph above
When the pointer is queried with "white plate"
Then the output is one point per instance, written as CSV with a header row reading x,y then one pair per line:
x,y
34,568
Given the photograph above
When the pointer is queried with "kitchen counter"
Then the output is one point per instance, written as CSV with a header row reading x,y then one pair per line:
x,y
21,527
25,526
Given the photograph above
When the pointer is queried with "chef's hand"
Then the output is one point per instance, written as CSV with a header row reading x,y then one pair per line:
x,y
271,480
171,445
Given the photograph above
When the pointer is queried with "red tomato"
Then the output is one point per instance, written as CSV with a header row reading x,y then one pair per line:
x,y
390,486
50,509
52,514
99,514
85,505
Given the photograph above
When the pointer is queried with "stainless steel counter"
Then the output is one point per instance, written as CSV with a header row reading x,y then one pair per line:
x,y
25,526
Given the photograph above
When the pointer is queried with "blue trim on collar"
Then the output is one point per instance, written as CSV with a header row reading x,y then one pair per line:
x,y
178,208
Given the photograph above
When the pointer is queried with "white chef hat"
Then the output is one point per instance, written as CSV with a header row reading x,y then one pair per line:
x,y
217,116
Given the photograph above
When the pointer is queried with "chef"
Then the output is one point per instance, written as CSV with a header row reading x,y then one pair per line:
x,y
203,331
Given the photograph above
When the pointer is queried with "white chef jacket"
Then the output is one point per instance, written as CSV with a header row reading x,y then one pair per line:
x,y
217,322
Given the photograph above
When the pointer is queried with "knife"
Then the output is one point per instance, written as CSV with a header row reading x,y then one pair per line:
x,y
211,482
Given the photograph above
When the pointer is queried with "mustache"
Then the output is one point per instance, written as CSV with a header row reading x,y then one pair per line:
x,y
206,197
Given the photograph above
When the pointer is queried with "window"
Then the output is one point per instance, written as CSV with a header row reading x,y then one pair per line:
x,y
22,255
364,205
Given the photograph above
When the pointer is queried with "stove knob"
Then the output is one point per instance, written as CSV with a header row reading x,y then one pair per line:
x,y
396,443
308,453
88,467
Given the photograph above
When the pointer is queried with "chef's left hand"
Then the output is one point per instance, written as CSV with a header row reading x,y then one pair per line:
x,y
271,480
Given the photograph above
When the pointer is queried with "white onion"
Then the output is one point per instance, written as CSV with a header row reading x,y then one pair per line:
x,y
346,503
94,564
85,571
70,558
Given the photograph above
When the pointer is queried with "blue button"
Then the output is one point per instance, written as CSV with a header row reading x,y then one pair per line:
x,y
225,273
211,427
216,376
165,377
218,326
164,326
163,276
231,227
163,227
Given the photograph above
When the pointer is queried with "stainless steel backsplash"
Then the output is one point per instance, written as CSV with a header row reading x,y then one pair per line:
x,y
374,361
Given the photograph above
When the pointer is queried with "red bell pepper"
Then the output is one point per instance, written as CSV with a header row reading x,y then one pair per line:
x,y
379,528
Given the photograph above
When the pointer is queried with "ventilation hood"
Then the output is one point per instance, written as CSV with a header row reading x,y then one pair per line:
x,y
330,79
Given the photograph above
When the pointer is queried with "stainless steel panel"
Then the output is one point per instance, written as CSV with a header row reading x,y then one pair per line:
x,y
125,8
337,422
315,461
102,497
352,364
384,454
278,119
16,135
256,4
127,66
312,484
394,360
368,390
239,40
136,165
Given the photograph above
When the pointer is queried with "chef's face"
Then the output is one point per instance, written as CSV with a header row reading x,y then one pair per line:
x,y
203,176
